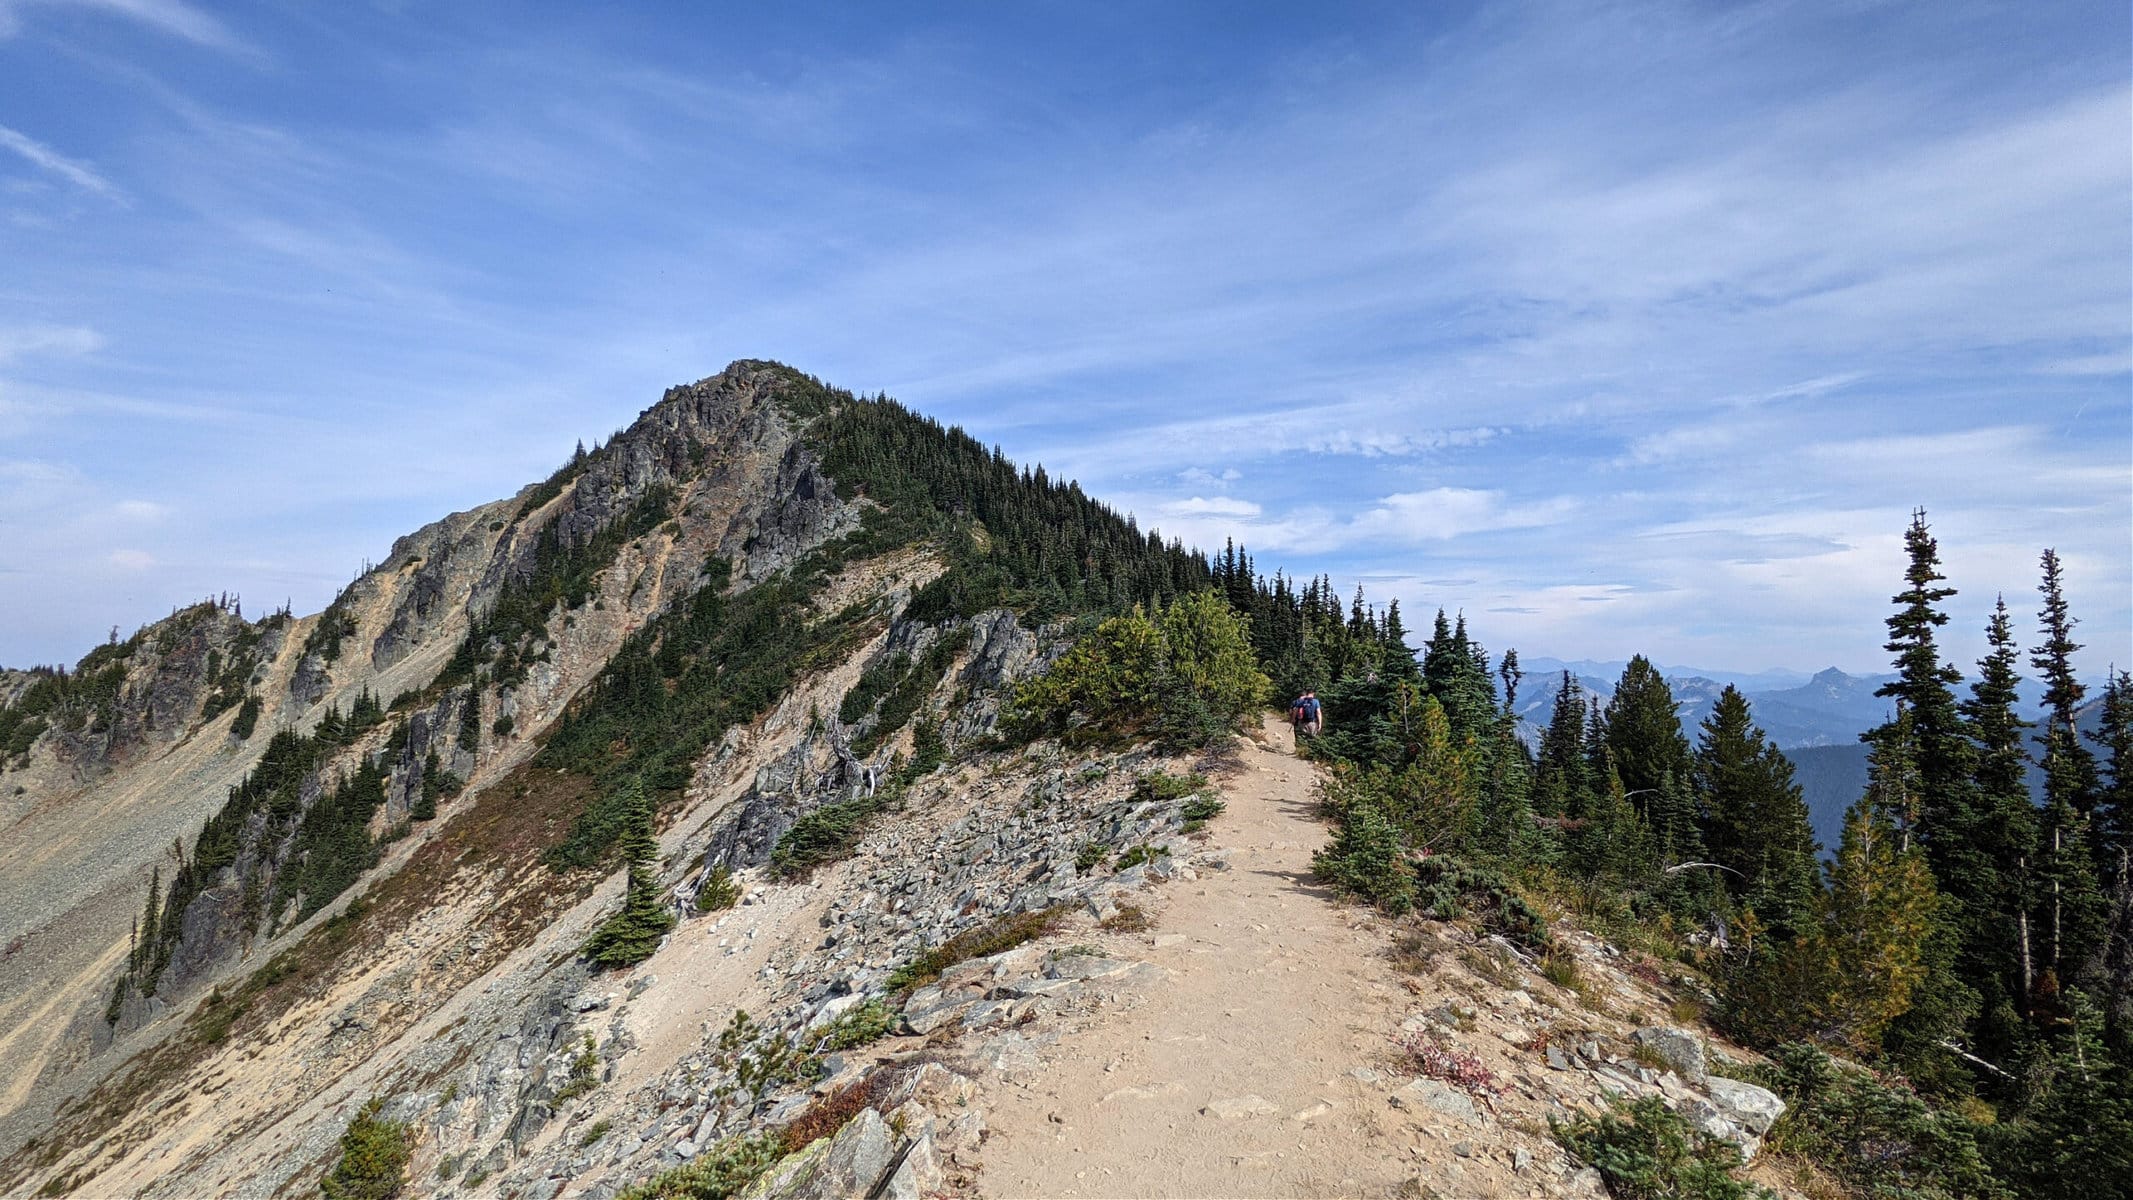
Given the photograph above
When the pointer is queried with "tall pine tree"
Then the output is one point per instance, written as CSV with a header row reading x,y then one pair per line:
x,y
1758,825
1939,743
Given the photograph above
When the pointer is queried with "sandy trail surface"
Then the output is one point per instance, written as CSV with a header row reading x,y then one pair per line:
x,y
1232,1078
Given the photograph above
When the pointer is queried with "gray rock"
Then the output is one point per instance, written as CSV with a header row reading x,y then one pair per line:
x,y
1752,1108
919,1174
1557,1060
1683,1051
1430,1095
1086,966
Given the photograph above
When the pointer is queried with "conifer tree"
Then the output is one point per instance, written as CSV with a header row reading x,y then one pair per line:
x,y
1562,779
1879,911
1940,748
633,933
151,928
470,718
425,806
1988,866
1758,825
1644,740
2069,890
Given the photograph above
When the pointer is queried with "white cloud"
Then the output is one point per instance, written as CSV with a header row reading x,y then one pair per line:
x,y
45,158
1444,513
132,560
140,510
41,339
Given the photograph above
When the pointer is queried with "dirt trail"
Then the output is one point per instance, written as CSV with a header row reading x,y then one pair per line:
x,y
1233,1077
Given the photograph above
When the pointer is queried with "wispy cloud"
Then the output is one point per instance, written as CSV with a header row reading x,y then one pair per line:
x,y
45,158
172,17
26,340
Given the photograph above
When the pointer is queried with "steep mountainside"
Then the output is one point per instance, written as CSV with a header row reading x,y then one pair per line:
x,y
740,607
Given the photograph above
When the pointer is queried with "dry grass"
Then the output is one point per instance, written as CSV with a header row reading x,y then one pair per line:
x,y
827,1115
1130,918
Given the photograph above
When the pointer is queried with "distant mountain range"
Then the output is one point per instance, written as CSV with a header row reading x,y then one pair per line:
x,y
1815,719
1828,708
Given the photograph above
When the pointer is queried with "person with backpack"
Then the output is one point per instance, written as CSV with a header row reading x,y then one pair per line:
x,y
1306,714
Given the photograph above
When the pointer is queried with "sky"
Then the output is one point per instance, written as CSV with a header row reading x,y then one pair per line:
x,y
1618,327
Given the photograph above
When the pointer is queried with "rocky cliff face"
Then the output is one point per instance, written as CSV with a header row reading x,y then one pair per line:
x,y
114,775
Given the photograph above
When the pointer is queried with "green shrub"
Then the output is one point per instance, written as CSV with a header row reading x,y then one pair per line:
x,y
599,1130
1364,859
1090,854
584,1074
1447,887
724,1170
823,836
718,891
1877,1138
854,1027
1646,1151
1183,676
1202,808
996,936
374,1154
1162,785
1144,853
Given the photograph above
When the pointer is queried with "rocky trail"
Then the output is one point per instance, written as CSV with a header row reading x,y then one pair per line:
x,y
1232,1077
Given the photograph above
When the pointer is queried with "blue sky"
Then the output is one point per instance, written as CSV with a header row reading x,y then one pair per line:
x,y
1622,327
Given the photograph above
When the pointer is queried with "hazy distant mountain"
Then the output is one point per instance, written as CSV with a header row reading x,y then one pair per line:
x,y
1795,709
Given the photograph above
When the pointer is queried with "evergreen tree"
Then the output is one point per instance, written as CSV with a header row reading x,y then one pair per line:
x,y
425,806
1398,661
2114,838
373,1163
2068,884
1879,911
1758,825
1939,747
1562,777
1644,740
633,933
1365,857
470,718
1988,864
2069,767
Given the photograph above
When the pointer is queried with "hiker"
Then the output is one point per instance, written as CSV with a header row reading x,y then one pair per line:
x,y
1306,714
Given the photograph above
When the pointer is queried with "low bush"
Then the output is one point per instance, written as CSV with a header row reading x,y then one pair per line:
x,y
373,1162
1646,1151
827,1115
724,1170
584,1074
1879,1139
1143,853
1162,785
994,937
717,891
1447,888
823,836
852,1028
1202,808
